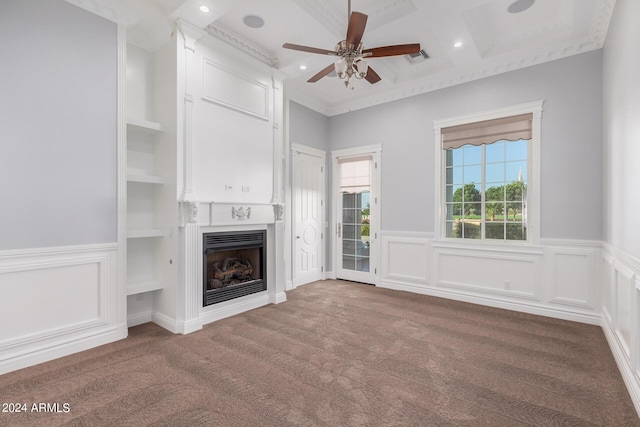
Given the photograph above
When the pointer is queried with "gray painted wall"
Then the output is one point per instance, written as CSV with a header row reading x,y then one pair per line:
x,y
58,164
308,127
621,66
571,146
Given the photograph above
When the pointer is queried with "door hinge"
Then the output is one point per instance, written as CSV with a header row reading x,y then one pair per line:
x,y
322,235
321,169
321,202
321,269
375,235
375,165
375,200
375,271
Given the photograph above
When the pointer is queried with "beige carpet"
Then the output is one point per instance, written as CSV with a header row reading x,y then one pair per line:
x,y
338,354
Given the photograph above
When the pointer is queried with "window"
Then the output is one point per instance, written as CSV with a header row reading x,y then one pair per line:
x,y
489,176
486,191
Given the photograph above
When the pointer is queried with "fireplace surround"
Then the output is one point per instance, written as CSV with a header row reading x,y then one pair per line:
x,y
234,265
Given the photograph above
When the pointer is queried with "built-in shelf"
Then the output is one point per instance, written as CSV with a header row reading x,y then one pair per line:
x,y
143,233
149,179
146,126
141,287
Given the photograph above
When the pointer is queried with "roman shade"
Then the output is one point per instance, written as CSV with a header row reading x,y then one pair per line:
x,y
355,174
510,128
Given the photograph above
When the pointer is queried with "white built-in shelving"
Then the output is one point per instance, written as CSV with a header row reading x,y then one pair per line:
x,y
144,233
143,183
148,179
141,287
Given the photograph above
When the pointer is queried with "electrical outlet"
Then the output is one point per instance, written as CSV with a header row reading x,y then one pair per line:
x,y
228,187
245,188
507,285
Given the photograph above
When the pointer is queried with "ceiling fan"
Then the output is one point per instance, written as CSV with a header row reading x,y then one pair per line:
x,y
351,60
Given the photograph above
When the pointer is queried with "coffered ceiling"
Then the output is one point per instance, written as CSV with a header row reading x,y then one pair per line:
x,y
494,40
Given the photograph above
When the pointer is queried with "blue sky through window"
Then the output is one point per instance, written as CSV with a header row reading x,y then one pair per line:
x,y
506,161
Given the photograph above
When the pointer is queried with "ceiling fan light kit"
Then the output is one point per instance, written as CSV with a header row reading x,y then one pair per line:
x,y
351,54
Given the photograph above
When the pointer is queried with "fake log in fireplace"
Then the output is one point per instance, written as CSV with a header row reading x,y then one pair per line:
x,y
234,265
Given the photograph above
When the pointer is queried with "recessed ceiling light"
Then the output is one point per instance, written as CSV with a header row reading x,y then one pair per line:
x,y
457,44
204,9
520,6
253,21
303,67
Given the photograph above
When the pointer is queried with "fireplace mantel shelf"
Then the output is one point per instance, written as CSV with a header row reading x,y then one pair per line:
x,y
213,213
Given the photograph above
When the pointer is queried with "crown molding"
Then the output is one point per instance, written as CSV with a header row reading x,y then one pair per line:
x,y
602,21
228,36
448,78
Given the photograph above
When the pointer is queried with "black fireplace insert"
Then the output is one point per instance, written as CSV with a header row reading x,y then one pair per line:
x,y
234,265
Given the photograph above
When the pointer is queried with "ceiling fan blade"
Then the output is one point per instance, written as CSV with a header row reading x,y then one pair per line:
x,y
372,77
308,49
398,49
355,30
321,74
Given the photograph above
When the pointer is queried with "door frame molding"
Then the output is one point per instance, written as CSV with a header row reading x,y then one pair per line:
x,y
375,151
314,152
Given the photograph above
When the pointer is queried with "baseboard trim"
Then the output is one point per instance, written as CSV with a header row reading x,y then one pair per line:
x,y
165,322
139,318
75,344
629,378
492,301
278,298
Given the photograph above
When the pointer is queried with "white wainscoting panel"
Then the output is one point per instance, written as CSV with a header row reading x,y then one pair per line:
x,y
557,278
57,301
506,274
608,297
50,292
572,271
406,259
621,319
227,87
635,328
625,293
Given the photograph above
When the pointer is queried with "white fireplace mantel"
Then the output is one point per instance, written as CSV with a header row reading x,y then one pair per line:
x,y
217,214
202,217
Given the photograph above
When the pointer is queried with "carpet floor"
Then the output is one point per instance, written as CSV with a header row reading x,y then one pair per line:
x,y
336,354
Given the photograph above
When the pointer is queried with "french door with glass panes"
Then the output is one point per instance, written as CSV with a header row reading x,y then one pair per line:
x,y
357,218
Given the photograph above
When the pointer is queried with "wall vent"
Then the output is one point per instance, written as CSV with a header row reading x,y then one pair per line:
x,y
416,58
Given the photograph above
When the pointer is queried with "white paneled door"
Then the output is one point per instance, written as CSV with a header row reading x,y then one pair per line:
x,y
308,194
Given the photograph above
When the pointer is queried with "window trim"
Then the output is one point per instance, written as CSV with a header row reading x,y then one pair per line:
x,y
533,177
